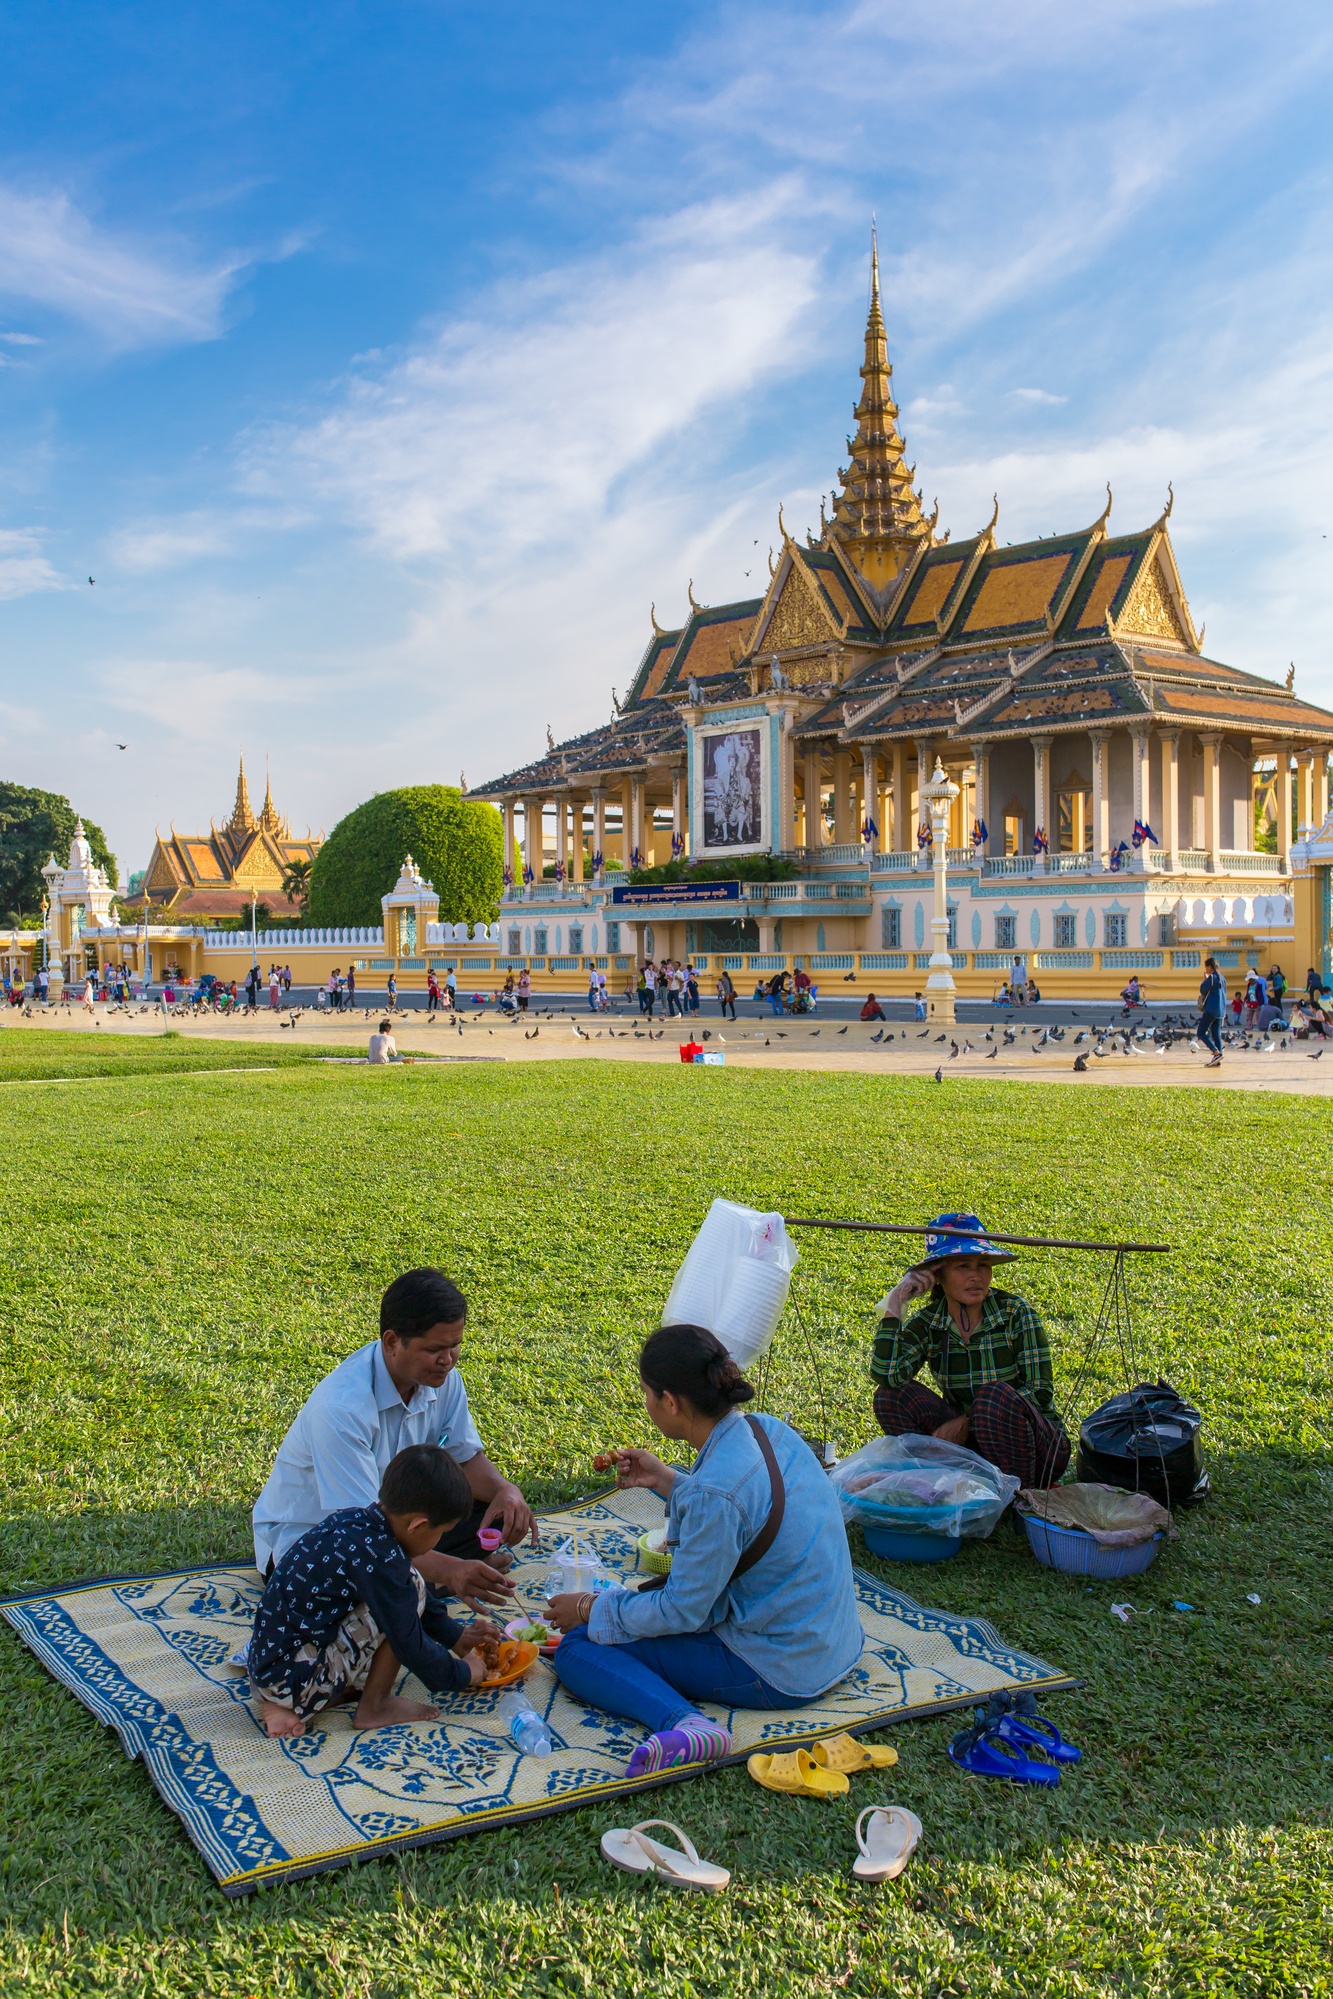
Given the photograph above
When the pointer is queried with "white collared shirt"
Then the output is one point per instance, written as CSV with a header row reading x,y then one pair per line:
x,y
339,1447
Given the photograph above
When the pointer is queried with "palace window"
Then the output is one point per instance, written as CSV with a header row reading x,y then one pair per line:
x,y
1006,932
1117,931
613,938
576,940
1166,927
539,942
515,946
1066,933
890,929
1013,833
953,928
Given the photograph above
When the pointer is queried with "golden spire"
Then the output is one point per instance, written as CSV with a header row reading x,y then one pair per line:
x,y
877,515
242,818
270,818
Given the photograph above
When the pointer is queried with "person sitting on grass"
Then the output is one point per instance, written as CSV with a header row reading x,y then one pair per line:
x,y
872,1010
986,1349
759,1610
382,1046
402,1388
344,1609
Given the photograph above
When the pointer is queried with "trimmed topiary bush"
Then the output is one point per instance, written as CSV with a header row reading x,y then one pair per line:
x,y
455,841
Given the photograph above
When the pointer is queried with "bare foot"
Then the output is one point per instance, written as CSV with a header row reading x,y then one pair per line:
x,y
279,1720
391,1709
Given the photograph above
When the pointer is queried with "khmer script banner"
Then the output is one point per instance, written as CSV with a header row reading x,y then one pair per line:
x,y
650,892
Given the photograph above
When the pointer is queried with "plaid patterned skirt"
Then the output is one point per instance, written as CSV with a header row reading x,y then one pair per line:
x,y
1002,1426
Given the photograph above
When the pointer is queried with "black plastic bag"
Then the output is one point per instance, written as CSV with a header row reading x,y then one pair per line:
x,y
1147,1440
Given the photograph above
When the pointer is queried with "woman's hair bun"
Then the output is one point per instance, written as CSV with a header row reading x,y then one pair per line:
x,y
692,1363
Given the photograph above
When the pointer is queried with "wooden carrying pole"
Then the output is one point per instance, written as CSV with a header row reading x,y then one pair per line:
x,y
1028,1241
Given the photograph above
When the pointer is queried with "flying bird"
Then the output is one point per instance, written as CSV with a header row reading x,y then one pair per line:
x,y
122,746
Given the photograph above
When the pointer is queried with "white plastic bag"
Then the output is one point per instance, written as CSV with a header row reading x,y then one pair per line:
x,y
735,1279
922,1485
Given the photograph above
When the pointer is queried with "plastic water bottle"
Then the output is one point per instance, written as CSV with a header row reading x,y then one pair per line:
x,y
527,1731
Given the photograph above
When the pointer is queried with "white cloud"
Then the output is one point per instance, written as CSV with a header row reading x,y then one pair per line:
x,y
1037,396
23,565
127,293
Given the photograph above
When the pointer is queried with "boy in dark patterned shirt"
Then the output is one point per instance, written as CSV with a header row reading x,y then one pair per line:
x,y
344,1609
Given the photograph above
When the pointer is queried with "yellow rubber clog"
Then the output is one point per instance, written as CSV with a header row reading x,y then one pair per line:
x,y
796,1772
844,1752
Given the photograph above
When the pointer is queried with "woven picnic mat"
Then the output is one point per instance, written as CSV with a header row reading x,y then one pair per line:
x,y
150,1656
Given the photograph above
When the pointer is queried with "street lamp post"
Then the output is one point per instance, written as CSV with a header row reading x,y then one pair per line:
x,y
939,795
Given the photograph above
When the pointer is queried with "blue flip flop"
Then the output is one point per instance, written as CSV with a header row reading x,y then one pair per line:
x,y
1027,1729
982,1750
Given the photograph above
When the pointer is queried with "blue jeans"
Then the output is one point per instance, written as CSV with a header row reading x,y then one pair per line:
x,y
1210,1031
658,1681
775,1001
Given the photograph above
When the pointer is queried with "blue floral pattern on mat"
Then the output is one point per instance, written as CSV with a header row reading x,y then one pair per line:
x,y
151,1657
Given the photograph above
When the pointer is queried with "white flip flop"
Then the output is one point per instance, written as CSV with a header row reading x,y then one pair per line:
x,y
632,1850
887,1844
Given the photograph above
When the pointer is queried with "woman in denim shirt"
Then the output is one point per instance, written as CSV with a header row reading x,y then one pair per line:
x,y
777,1636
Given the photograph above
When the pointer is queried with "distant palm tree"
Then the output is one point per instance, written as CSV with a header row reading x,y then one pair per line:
x,y
296,883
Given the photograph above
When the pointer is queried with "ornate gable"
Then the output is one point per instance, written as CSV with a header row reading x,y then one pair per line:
x,y
1150,613
800,618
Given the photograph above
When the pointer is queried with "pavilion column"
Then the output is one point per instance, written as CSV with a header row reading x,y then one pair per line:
x,y
925,763
636,793
1212,800
562,834
576,839
1139,753
1041,789
981,807
1282,806
598,825
1320,787
626,820
1171,797
1305,787
842,781
903,839
814,817
1101,799
534,854
510,860
965,815
678,805
870,796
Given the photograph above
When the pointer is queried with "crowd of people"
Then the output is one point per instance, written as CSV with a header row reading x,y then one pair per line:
x,y
383,1504
674,986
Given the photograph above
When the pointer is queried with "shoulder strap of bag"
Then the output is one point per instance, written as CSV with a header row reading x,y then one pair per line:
x,y
768,1533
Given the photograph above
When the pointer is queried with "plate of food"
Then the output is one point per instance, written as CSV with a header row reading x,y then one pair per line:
x,y
534,1631
506,1661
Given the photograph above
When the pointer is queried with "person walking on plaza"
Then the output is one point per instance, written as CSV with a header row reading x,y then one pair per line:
x,y
594,991
691,990
351,988
451,988
274,988
524,989
726,994
393,992
1212,1005
432,993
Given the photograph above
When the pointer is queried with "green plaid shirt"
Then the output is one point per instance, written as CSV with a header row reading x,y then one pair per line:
x,y
1009,1345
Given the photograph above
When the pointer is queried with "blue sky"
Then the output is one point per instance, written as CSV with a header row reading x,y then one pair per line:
x,y
383,364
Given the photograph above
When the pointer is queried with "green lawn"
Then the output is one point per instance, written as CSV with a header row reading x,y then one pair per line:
x,y
186,1257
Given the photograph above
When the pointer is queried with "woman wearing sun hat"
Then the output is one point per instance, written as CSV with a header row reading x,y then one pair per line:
x,y
986,1349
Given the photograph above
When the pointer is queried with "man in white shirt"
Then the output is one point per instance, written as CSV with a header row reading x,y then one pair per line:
x,y
401,1389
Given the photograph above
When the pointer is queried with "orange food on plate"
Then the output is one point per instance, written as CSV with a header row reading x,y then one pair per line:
x,y
512,1663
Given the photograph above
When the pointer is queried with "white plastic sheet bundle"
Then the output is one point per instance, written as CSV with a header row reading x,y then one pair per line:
x,y
735,1279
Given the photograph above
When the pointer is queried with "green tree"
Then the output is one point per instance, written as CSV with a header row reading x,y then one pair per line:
x,y
455,841
33,826
296,883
